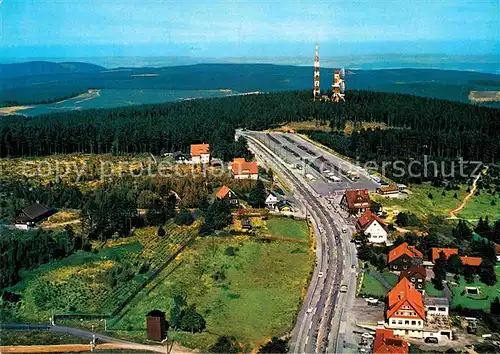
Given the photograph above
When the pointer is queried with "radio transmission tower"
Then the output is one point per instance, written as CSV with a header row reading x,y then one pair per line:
x,y
338,87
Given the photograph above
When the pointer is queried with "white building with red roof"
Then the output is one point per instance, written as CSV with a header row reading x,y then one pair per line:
x,y
372,226
200,153
405,311
242,169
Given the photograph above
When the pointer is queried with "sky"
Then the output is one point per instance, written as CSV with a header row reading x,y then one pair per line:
x,y
218,28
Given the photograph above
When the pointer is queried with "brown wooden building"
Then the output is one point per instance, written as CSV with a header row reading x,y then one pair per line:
x,y
403,257
156,325
416,274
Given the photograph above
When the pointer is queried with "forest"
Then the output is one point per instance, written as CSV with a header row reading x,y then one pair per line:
x,y
415,126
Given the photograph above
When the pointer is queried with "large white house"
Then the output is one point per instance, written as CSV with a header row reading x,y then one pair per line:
x,y
372,226
200,153
405,312
242,169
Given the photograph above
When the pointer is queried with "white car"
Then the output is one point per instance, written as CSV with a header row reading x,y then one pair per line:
x,y
320,275
309,310
367,335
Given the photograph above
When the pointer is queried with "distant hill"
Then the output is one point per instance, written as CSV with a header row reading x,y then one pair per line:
x,y
33,68
74,78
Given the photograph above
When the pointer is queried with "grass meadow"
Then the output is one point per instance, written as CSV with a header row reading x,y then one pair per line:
x,y
482,301
247,289
97,282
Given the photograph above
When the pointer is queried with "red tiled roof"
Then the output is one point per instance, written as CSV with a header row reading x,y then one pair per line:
x,y
367,218
497,249
223,192
415,269
386,189
405,294
471,261
357,198
244,168
448,252
387,343
403,248
198,149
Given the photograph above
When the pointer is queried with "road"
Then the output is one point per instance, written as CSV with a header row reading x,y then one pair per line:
x,y
321,321
89,335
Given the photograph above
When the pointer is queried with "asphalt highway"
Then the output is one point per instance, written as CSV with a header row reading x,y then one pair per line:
x,y
317,329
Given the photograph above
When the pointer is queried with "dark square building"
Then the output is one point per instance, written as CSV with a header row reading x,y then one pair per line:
x,y
156,325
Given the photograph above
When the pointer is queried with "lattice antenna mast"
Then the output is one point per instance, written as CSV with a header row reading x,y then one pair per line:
x,y
316,90
338,87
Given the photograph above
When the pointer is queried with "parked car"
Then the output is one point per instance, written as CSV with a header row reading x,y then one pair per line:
x,y
320,275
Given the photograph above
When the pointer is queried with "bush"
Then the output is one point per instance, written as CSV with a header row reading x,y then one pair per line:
x,y
407,219
230,251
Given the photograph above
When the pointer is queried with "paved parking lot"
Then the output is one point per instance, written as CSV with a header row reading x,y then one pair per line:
x,y
294,150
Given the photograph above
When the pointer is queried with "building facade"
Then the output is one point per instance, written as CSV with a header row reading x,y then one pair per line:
x,y
355,201
372,226
242,169
403,257
405,313
200,153
416,274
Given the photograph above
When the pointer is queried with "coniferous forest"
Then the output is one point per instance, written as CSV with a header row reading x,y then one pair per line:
x,y
414,126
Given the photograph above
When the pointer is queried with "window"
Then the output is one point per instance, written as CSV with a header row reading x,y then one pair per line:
x,y
413,323
407,322
432,308
443,309
400,322
393,321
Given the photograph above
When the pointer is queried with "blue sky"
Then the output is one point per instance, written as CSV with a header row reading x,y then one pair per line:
x,y
216,28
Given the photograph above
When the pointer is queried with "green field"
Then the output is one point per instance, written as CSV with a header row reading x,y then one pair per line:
x,y
96,282
480,205
486,296
287,227
391,278
257,297
432,291
372,287
419,203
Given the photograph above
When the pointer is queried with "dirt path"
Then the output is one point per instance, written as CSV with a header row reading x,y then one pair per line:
x,y
467,197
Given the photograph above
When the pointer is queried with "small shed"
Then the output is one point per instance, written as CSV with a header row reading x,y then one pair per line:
x,y
156,325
